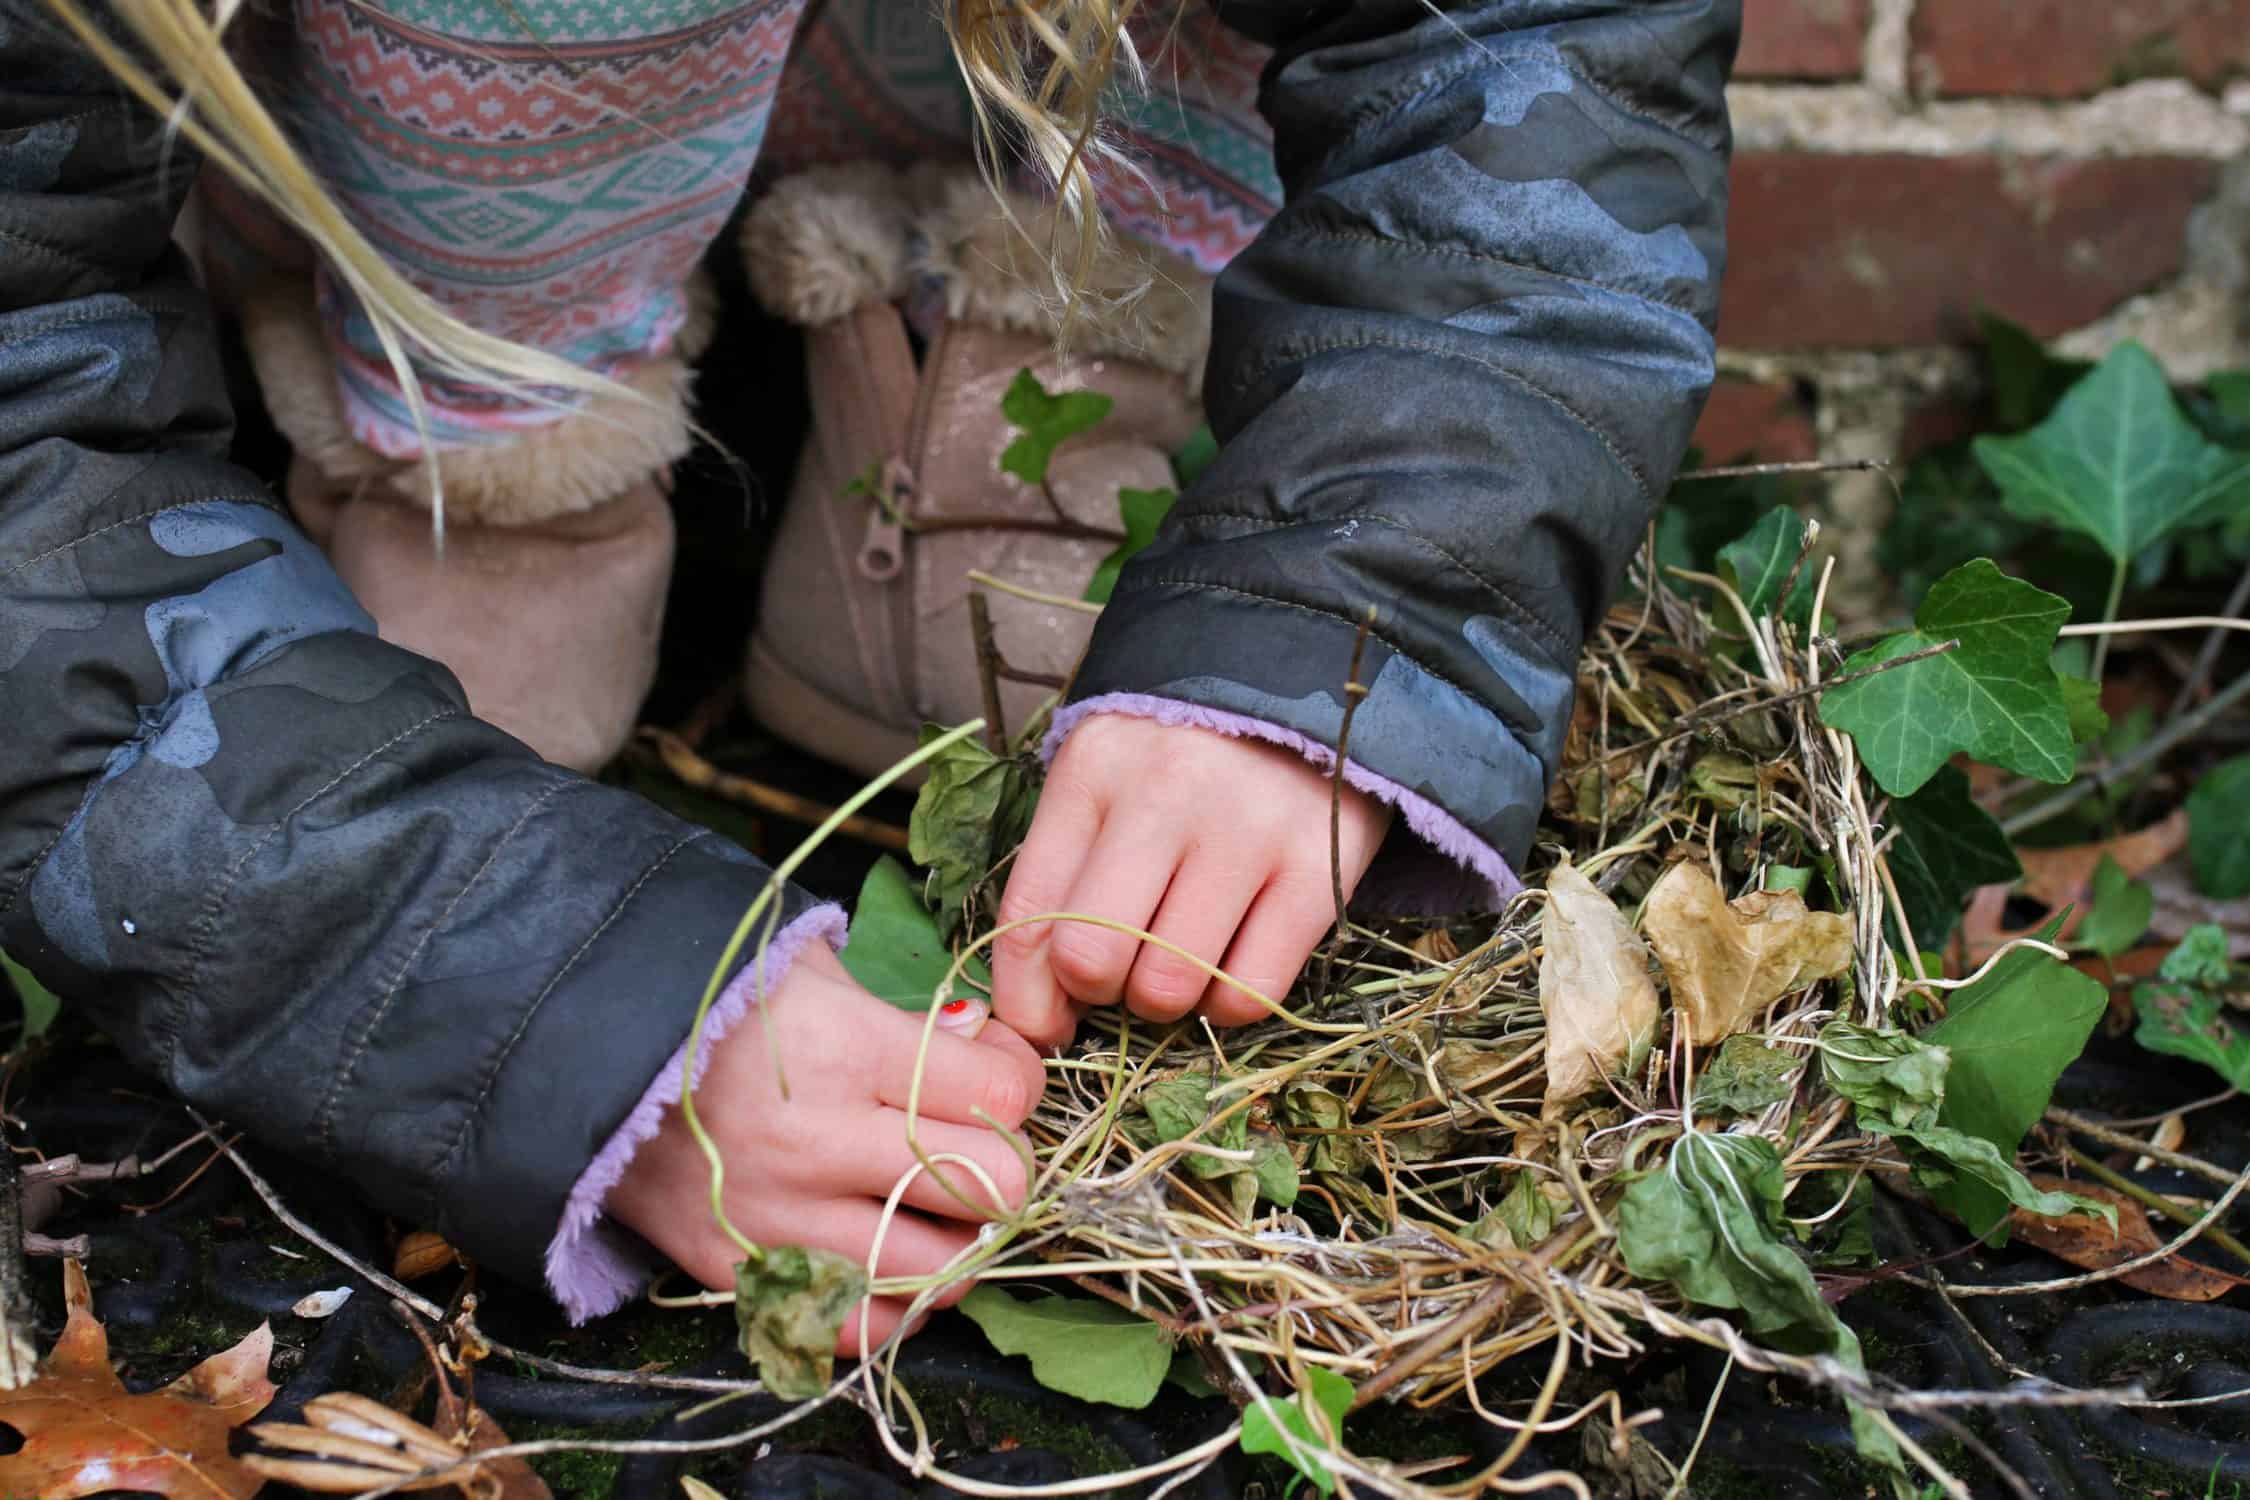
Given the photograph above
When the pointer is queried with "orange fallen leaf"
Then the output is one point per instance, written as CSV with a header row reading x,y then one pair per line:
x,y
473,1428
422,1254
84,1434
2056,878
2086,1242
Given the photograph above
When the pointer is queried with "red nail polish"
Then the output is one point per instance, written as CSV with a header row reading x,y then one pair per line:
x,y
954,1007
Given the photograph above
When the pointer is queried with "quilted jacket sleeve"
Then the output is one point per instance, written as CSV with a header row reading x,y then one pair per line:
x,y
1451,378
276,858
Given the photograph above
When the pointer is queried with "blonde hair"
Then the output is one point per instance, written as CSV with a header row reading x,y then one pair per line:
x,y
1036,69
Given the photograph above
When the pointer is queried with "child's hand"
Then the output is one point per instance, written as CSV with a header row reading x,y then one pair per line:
x,y
814,1168
1218,845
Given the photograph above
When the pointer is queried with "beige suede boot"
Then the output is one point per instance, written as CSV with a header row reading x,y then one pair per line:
x,y
863,633
548,597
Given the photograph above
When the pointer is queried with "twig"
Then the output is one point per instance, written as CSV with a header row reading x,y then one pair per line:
x,y
2110,1136
2209,1217
2217,624
1032,596
681,759
1698,721
988,672
1794,466
1064,527
18,1361
2157,1201
1354,691
2207,658
2181,729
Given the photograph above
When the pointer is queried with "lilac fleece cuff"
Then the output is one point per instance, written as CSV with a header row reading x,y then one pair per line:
x,y
592,1264
1470,872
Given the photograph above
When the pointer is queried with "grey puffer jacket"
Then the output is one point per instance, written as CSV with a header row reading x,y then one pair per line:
x,y
283,865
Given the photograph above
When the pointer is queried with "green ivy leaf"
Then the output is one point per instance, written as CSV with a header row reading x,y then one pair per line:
x,y
789,1305
973,809
1943,1159
2011,1035
1194,457
1709,1223
2082,700
2118,461
1946,848
2120,910
1187,1374
1322,1114
1095,1351
1895,1081
40,1007
1328,1394
2230,392
1995,695
2219,830
1142,511
1746,1076
894,949
1759,563
1045,421
1181,1106
1796,878
1274,1168
2201,957
2026,380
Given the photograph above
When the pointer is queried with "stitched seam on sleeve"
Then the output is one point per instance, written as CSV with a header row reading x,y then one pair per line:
x,y
324,1124
138,519
1341,618
1548,634
1293,352
447,1164
1290,233
200,938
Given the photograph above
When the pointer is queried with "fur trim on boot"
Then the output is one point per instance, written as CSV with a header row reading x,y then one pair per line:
x,y
821,244
562,468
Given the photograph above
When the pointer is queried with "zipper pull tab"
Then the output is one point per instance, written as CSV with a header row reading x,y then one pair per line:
x,y
882,552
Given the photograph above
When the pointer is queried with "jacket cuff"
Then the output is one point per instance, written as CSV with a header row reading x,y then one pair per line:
x,y
594,1264
1442,868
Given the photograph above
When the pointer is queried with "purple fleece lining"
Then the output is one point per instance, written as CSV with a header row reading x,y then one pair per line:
x,y
591,1266
1425,819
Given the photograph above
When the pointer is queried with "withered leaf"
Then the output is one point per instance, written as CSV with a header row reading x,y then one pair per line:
x,y
84,1434
2090,1244
1727,961
1594,987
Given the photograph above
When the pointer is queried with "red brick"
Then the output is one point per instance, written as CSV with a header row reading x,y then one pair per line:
x,y
1761,420
1801,38
1881,251
2060,49
1936,422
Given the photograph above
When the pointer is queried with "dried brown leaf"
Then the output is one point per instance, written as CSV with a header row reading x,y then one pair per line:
x,y
2085,1241
1728,961
84,1434
422,1254
1594,987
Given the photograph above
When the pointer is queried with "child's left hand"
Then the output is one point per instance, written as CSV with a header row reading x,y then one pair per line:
x,y
1215,844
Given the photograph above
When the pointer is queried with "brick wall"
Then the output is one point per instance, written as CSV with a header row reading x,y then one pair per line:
x,y
2079,166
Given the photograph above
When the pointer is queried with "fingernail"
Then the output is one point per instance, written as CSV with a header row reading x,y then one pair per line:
x,y
963,1017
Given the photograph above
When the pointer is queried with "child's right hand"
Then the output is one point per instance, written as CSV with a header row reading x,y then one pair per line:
x,y
814,1167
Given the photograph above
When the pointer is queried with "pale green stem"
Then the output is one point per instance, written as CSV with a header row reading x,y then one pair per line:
x,y
2109,615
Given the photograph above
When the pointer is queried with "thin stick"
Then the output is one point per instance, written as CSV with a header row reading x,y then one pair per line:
x,y
2161,1253
1034,596
1794,466
1710,1410
2181,729
681,759
2109,1136
1354,691
2207,658
988,672
2217,624
2157,1201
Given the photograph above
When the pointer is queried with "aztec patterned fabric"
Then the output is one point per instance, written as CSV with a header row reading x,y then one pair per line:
x,y
553,170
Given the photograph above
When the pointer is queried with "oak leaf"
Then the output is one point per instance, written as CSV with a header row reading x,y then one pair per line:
x,y
85,1434
2090,1244
1728,961
1594,988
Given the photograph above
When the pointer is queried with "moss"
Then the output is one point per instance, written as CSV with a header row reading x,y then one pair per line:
x,y
1716,1479
967,1419
573,1476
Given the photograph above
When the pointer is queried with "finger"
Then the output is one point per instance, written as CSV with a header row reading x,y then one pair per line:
x,y
1203,906
997,1072
878,1170
1024,992
1286,923
1124,879
884,1314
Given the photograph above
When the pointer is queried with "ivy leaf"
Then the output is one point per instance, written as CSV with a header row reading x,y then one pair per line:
x,y
1045,421
893,948
1187,1374
2219,830
2011,1035
1142,511
1746,1076
972,810
1195,456
2120,911
789,1305
2026,380
1896,1081
1995,695
1943,1159
1327,1393
1946,848
1526,1214
1323,1113
2118,461
2182,1018
1274,1169
40,1007
1761,562
2200,957
2082,700
1709,1223
1180,1106
1095,1351
2230,392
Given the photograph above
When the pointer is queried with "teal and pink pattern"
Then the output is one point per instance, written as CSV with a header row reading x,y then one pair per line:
x,y
553,170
